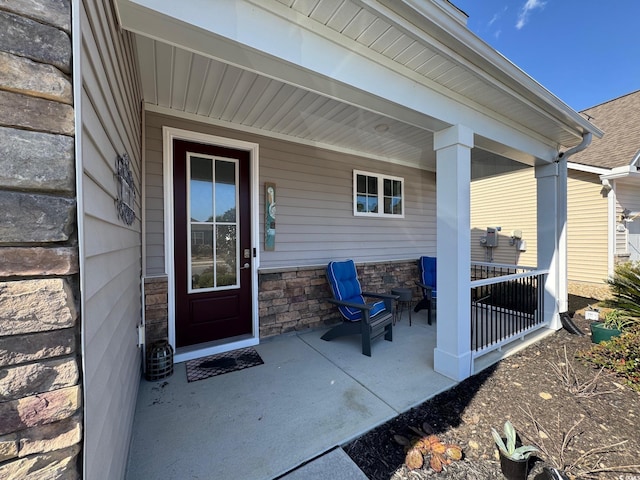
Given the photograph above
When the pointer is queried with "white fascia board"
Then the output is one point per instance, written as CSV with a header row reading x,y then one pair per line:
x,y
587,168
420,17
243,34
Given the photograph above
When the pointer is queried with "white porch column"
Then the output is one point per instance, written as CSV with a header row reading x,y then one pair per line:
x,y
452,356
549,235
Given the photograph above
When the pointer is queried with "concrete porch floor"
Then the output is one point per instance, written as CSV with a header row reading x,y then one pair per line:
x,y
308,397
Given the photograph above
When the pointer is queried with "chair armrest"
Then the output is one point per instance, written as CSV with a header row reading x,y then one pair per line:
x,y
427,290
359,306
386,296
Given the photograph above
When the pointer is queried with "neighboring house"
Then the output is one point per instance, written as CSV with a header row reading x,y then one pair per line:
x,y
612,166
603,201
123,119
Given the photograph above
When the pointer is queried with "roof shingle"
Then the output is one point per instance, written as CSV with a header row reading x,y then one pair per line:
x,y
619,119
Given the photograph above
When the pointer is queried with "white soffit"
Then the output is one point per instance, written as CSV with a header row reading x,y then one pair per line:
x,y
194,84
177,81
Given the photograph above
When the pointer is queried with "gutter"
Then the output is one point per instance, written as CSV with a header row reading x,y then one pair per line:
x,y
621,172
631,170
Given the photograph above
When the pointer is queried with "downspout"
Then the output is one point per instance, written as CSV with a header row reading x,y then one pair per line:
x,y
586,141
563,288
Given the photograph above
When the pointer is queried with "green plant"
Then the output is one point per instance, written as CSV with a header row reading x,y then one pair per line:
x,y
620,355
615,319
426,446
625,286
509,449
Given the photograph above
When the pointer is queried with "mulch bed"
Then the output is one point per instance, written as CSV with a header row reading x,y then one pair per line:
x,y
520,388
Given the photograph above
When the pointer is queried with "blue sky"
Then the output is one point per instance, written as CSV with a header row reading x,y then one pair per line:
x,y
585,52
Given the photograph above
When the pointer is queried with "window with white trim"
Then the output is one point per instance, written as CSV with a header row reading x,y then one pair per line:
x,y
376,195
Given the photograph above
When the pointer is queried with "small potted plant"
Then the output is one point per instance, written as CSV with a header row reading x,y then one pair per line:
x,y
514,459
614,323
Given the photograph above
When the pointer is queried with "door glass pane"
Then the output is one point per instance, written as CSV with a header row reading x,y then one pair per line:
x,y
201,188
213,239
225,191
201,256
226,255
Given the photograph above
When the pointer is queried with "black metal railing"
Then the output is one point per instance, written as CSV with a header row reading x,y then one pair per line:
x,y
482,271
506,302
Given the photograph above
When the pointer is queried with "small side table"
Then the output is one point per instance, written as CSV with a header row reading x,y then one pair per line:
x,y
405,295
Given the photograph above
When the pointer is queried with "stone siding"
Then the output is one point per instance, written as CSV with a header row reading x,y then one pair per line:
x,y
297,299
40,380
156,309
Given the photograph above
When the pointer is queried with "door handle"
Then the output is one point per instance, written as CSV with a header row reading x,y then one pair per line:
x,y
245,266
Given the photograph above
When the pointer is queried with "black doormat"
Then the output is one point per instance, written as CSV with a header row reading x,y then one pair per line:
x,y
213,365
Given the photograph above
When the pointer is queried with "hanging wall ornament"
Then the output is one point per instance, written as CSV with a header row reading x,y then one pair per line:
x,y
126,190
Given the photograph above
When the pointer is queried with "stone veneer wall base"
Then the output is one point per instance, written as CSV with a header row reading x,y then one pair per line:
x,y
289,299
297,299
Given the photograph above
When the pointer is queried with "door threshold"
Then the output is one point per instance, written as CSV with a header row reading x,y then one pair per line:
x,y
200,350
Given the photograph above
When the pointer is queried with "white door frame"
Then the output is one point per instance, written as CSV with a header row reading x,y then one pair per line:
x,y
168,135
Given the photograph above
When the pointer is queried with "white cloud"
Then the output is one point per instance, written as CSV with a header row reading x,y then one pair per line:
x,y
523,16
496,16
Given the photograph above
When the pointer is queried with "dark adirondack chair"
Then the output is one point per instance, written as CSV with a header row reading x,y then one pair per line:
x,y
427,284
370,320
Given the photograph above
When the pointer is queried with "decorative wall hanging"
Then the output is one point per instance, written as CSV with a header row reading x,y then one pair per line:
x,y
126,190
269,216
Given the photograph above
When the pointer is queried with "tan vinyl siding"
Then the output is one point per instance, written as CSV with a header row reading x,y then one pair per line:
x,y
112,250
587,242
315,221
508,201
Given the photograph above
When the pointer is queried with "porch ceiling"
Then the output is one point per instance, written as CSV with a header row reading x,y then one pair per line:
x,y
191,84
410,37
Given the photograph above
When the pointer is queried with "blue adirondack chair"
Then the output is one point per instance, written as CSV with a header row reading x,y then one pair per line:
x,y
427,284
370,320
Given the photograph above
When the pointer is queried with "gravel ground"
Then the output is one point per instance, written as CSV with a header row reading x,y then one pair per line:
x,y
583,294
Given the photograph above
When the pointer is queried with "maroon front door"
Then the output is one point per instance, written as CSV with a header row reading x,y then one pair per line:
x,y
212,239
